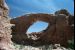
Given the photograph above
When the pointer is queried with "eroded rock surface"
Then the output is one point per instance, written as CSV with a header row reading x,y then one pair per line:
x,y
58,31
5,27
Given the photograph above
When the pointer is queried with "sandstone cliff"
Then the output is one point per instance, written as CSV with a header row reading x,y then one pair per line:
x,y
5,27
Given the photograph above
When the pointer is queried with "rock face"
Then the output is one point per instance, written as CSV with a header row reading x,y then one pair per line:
x,y
59,30
5,27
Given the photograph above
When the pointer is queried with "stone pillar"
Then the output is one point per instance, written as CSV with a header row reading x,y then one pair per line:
x,y
5,27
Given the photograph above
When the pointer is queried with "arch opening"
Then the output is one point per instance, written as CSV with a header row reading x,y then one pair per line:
x,y
37,26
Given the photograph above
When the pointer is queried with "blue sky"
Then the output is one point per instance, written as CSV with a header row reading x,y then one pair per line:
x,y
38,26
22,7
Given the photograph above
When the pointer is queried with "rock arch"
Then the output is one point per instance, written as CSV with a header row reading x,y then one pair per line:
x,y
59,31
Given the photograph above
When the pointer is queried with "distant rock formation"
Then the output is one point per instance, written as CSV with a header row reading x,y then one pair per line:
x,y
5,27
59,30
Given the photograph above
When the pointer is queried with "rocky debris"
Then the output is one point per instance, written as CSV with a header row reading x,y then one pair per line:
x,y
5,27
47,47
34,35
58,31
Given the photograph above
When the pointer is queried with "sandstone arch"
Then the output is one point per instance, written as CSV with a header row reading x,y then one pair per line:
x,y
59,31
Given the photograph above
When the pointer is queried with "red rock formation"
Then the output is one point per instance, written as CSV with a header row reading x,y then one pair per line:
x,y
58,31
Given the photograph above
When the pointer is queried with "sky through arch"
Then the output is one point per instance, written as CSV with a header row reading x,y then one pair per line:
x,y
37,27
